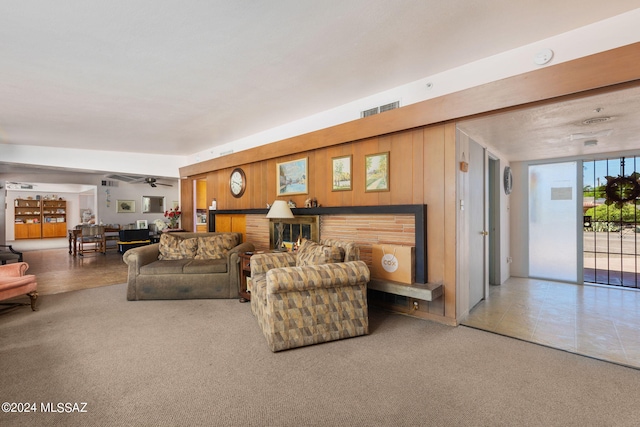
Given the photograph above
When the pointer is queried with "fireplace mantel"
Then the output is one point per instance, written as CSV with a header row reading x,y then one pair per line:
x,y
419,212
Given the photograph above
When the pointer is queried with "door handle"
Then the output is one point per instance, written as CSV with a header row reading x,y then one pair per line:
x,y
484,233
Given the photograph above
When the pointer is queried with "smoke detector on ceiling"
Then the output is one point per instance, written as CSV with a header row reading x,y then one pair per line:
x,y
543,57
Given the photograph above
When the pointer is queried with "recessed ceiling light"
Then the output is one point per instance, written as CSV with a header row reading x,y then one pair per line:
x,y
590,142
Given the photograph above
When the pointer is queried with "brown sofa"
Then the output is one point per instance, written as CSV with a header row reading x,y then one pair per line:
x,y
186,265
309,299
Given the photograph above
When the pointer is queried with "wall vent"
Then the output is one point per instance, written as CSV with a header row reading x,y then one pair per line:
x,y
390,106
369,112
380,109
125,178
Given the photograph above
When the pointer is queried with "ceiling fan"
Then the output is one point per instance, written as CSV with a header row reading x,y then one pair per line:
x,y
153,182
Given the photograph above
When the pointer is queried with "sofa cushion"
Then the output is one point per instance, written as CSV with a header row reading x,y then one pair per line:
x,y
189,248
172,266
215,247
174,247
351,249
311,253
205,266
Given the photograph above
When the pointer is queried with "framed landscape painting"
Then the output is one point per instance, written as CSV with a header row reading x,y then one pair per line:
x,y
341,173
376,172
292,177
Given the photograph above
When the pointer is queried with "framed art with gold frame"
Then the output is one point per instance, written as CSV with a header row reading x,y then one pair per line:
x,y
376,172
341,173
292,177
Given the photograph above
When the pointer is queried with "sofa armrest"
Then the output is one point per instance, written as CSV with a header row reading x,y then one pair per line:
x,y
14,270
281,280
242,247
261,263
233,262
142,255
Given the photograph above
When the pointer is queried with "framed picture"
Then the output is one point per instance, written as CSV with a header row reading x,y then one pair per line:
x,y
341,173
126,206
292,177
141,224
376,168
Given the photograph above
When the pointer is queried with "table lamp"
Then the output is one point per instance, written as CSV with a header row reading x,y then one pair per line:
x,y
280,210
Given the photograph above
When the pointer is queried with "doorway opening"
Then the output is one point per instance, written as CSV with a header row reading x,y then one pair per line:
x,y
610,221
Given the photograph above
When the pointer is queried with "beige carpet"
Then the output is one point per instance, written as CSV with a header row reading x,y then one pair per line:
x,y
205,362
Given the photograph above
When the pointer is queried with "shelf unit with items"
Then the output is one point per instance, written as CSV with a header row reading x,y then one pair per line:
x,y
39,218
54,218
28,216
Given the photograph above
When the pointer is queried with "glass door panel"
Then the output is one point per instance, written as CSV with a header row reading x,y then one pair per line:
x,y
553,221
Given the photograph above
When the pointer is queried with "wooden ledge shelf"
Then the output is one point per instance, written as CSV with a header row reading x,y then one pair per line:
x,y
422,291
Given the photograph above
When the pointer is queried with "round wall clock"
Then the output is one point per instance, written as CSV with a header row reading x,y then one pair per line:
x,y
237,182
508,180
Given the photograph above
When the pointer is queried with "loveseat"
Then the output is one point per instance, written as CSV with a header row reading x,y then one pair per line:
x,y
314,296
185,265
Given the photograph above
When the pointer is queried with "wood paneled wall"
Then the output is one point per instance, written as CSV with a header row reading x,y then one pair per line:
x,y
421,171
406,162
423,157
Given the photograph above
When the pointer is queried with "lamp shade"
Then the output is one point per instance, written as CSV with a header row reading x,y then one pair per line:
x,y
280,209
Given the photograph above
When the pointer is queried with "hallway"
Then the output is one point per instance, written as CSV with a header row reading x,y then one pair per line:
x,y
594,321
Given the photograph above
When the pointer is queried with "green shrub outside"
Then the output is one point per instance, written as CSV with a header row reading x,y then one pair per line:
x,y
611,213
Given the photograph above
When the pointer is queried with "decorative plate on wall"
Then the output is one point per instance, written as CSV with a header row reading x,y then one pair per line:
x,y
508,180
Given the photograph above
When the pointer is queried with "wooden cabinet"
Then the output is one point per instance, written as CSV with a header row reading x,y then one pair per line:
x,y
54,218
28,214
55,229
28,231
236,223
35,219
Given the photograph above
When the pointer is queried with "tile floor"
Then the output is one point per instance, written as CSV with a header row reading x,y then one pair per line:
x,y
595,321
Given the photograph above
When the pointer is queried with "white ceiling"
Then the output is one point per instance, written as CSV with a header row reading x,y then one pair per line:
x,y
581,127
178,77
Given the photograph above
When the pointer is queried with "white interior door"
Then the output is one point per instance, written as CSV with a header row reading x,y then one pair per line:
x,y
477,224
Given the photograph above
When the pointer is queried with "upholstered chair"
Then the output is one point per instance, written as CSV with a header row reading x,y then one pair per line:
x,y
311,297
14,282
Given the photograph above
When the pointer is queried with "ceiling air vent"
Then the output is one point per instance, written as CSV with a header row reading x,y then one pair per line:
x,y
369,112
380,109
390,106
124,178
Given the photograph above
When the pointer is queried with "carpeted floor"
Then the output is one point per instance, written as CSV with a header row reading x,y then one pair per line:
x,y
205,362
